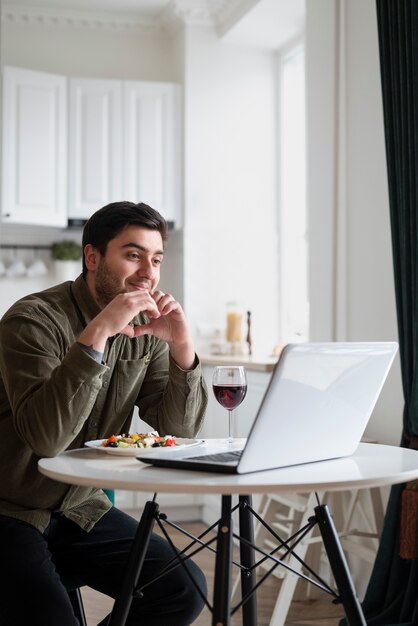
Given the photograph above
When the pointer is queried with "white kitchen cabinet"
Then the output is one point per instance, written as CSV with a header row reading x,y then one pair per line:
x,y
124,144
95,145
115,140
152,145
34,176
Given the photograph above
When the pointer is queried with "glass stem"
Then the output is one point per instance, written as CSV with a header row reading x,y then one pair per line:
x,y
229,426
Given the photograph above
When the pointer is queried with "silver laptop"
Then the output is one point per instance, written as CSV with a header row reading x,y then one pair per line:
x,y
316,407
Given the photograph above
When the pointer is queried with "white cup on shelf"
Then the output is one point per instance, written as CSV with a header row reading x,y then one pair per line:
x,y
16,268
37,268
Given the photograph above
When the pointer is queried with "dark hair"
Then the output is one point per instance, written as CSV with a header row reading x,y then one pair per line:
x,y
106,223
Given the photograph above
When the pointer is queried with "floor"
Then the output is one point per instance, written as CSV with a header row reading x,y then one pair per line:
x,y
317,612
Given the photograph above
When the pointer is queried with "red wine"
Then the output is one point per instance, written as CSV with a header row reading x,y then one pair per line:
x,y
230,396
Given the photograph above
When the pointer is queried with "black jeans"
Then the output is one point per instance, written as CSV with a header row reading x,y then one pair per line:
x,y
31,592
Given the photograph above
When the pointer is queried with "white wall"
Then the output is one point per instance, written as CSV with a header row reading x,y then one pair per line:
x,y
322,169
230,210
352,288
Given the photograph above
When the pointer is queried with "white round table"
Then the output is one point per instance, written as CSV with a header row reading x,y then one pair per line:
x,y
372,465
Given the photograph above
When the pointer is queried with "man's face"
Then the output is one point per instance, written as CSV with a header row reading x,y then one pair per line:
x,y
132,262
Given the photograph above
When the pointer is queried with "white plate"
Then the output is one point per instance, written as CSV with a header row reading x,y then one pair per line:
x,y
181,441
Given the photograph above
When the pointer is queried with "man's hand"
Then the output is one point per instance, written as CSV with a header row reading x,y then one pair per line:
x,y
170,326
167,322
116,317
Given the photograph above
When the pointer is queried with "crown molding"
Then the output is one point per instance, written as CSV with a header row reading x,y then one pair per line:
x,y
198,12
214,13
56,17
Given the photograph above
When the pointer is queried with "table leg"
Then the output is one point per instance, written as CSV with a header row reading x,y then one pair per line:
x,y
123,602
339,567
247,557
222,590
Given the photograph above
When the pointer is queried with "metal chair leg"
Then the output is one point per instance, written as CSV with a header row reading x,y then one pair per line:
x,y
77,602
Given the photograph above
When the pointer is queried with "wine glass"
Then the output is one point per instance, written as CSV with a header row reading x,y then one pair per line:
x,y
229,385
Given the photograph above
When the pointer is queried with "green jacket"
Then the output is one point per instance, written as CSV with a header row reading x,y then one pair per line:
x,y
55,397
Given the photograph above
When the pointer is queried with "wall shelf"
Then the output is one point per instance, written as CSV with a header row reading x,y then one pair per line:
x,y
23,246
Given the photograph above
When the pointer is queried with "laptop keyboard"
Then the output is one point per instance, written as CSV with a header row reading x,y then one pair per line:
x,y
219,457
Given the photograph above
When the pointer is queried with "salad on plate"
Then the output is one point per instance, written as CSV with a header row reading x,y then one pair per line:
x,y
140,440
137,444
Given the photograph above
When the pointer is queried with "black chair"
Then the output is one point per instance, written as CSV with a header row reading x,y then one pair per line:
x,y
73,585
74,593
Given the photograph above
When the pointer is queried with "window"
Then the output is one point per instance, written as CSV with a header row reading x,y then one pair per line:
x,y
293,242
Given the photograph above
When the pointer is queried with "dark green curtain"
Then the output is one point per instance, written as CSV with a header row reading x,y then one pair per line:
x,y
392,594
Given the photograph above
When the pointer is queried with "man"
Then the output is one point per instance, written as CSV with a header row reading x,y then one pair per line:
x,y
74,361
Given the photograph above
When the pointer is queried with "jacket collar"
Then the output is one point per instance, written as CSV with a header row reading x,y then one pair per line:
x,y
83,299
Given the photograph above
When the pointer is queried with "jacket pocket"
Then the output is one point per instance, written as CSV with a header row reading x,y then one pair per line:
x,y
129,378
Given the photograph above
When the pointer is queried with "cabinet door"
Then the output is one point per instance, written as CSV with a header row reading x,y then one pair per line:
x,y
95,145
34,173
152,146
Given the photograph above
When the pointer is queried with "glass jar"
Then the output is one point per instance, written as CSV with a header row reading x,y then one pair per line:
x,y
234,328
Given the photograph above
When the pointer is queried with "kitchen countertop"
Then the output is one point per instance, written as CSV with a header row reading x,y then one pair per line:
x,y
252,363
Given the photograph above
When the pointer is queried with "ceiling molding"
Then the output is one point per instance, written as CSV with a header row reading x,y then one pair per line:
x,y
215,13
56,17
204,12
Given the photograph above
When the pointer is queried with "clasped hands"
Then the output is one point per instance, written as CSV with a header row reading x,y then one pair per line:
x,y
166,321
166,317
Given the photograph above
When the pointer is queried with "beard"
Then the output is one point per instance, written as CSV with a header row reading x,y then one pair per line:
x,y
107,284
